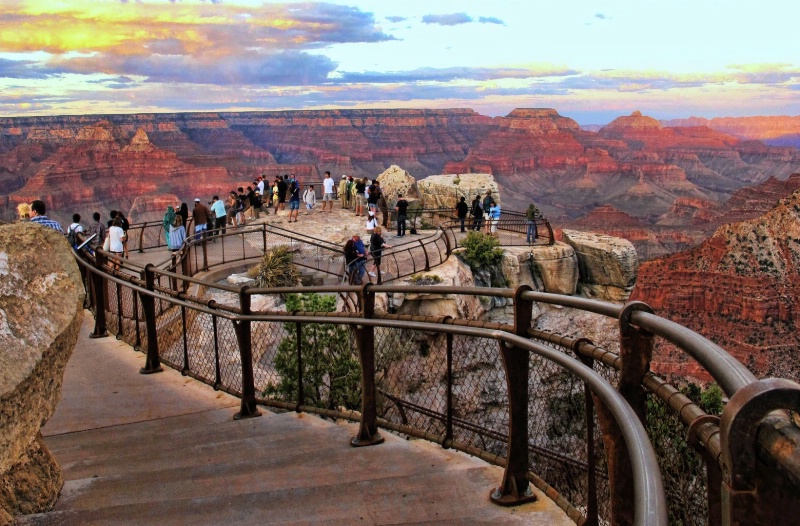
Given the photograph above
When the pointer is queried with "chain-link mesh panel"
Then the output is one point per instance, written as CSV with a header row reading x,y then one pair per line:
x,y
682,468
169,329
129,315
275,341
411,378
112,322
230,358
200,345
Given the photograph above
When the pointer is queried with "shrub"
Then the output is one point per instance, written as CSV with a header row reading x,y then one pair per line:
x,y
425,279
331,370
481,250
275,269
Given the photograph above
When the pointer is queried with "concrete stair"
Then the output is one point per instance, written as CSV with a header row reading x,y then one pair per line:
x,y
186,461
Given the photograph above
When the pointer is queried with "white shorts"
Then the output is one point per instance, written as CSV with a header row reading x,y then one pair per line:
x,y
327,197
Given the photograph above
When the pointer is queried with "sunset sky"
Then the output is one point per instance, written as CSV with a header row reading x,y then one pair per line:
x,y
592,61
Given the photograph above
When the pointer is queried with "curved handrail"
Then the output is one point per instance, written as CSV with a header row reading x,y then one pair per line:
x,y
650,505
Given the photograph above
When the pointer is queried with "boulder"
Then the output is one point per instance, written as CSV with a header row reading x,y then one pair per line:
x,y
554,268
394,180
608,265
41,310
444,191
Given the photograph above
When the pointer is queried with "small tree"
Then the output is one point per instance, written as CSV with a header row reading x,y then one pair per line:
x,y
331,370
480,250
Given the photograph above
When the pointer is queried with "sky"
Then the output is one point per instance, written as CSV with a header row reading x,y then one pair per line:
x,y
590,60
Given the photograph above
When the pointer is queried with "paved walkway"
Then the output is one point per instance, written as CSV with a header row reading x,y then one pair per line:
x,y
164,449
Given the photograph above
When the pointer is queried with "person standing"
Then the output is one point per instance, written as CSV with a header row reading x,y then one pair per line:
x,y
401,207
343,191
461,211
167,222
532,214
372,222
74,229
294,201
258,204
260,186
177,233
355,257
116,238
200,216
361,187
310,199
125,226
477,214
494,219
183,211
327,196
376,246
283,186
99,229
220,219
384,208
250,202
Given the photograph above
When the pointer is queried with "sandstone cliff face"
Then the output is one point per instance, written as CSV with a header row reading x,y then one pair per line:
x,y
41,310
778,131
635,164
740,288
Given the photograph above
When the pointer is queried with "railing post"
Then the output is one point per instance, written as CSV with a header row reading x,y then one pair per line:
x,y
515,488
592,518
99,290
713,471
205,253
301,395
141,238
242,328
184,270
635,351
152,363
758,490
368,434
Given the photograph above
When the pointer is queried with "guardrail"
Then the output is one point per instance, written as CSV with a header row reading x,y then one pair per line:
x,y
508,393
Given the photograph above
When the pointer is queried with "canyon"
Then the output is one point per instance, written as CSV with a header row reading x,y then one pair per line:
x,y
663,187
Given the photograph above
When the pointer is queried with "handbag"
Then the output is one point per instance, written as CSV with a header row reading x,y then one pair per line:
x,y
107,244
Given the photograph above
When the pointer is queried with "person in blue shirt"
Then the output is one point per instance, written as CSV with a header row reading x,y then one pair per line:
x,y
38,210
355,256
494,215
218,207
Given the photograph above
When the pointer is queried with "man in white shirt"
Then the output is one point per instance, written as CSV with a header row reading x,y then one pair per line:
x,y
327,196
260,186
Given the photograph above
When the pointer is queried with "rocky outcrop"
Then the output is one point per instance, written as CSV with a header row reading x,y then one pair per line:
x,y
739,288
41,310
444,191
395,181
607,265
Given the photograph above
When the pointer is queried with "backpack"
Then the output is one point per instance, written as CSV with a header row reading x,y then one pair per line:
x,y
72,237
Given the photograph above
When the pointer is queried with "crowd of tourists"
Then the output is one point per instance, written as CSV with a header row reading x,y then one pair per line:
x,y
364,197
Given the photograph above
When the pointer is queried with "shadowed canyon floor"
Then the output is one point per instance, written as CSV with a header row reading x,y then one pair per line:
x,y
164,449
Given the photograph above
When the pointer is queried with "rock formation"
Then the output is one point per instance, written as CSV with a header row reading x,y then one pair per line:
x,y
607,266
394,181
642,168
41,310
739,288
444,191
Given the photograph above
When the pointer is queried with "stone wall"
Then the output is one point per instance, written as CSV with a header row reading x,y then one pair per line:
x,y
41,309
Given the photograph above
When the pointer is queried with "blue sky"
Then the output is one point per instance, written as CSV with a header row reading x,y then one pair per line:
x,y
592,61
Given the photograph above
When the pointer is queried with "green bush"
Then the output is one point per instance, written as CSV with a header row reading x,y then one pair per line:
x,y
331,369
481,250
275,269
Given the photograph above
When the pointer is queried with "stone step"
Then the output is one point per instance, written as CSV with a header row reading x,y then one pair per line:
x,y
262,470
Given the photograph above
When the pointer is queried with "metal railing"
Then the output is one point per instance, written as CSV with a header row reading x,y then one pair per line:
x,y
479,387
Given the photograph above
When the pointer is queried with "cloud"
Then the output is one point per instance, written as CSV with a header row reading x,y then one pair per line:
x,y
452,19
25,69
601,16
396,18
250,68
491,20
450,74
189,29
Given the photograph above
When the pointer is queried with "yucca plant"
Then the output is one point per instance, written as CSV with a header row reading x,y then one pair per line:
x,y
275,269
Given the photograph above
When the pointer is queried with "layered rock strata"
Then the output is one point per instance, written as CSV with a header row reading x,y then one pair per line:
x,y
41,309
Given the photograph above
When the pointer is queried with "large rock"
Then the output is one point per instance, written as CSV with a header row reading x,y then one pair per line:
x,y
444,191
394,181
608,265
41,308
554,268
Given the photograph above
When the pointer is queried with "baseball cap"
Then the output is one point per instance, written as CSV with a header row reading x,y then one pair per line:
x,y
196,199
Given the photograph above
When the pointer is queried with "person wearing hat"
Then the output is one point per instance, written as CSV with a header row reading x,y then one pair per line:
x,y
200,215
372,222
